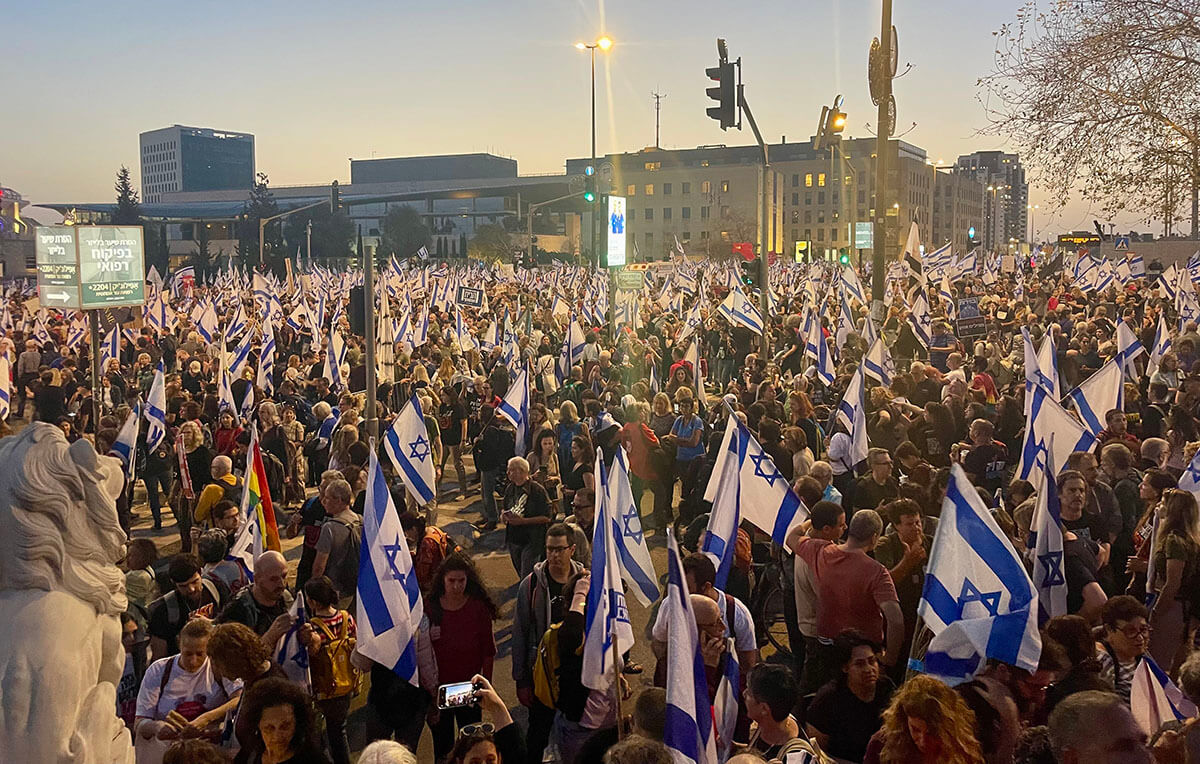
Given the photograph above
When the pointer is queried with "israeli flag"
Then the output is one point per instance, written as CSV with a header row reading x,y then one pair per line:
x,y
747,486
1045,548
878,364
389,609
266,358
335,353
241,356
1137,267
688,731
299,318
607,632
207,322
852,285
77,332
739,311
1129,347
845,323
824,364
156,409
1155,700
237,323
515,408
1166,283
1162,345
852,414
977,600
407,445
692,356
655,386
225,401
125,446
1035,374
290,652
636,566
1045,418
1099,394
110,349
1047,360
5,387
920,320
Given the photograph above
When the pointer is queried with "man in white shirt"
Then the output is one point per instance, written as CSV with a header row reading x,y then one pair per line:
x,y
181,696
701,575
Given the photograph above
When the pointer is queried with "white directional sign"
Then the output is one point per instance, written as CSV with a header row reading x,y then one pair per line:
x,y
57,267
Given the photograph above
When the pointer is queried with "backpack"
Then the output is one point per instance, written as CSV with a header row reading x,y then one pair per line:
x,y
345,574
171,601
546,668
330,669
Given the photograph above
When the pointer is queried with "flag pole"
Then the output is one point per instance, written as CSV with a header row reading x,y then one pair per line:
x,y
617,690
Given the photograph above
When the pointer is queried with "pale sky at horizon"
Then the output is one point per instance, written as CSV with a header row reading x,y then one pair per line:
x,y
459,76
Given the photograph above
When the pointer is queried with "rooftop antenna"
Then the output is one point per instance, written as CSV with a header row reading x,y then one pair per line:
x,y
657,109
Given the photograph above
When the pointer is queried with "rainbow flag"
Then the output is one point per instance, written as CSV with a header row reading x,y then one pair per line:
x,y
256,500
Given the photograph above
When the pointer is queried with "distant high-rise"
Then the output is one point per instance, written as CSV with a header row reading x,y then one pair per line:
x,y
180,158
1006,203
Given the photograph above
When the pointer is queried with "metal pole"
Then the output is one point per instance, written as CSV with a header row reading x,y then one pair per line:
x,y
764,219
879,254
308,240
262,227
369,330
595,254
94,324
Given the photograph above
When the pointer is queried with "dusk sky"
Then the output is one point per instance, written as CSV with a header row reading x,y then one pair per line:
x,y
320,82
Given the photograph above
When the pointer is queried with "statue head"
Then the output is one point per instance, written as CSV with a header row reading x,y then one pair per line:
x,y
58,512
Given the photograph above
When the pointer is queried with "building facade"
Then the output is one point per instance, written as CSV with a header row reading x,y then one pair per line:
x,y
1006,204
958,210
180,159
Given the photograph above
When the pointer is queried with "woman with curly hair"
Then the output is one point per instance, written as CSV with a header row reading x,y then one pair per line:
x,y
237,653
461,613
284,731
927,722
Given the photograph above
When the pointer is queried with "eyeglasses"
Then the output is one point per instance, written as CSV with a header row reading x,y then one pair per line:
x,y
556,549
1136,632
484,728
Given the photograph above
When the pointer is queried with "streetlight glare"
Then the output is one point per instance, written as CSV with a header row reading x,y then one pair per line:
x,y
604,43
580,46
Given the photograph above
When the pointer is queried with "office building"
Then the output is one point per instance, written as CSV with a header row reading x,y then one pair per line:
x,y
708,197
1006,213
181,159
958,207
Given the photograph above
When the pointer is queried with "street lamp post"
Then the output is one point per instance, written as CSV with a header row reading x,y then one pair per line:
x,y
1032,230
604,43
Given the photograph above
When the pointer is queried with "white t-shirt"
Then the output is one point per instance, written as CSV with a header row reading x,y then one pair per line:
x,y
189,693
743,633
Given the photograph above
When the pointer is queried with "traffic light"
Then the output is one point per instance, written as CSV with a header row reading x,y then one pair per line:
x,y
749,272
589,184
837,121
723,93
335,198
844,256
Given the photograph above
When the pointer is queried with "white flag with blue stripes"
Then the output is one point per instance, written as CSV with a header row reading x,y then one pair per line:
x,y
266,357
878,363
1098,394
636,566
125,446
290,652
389,596
1129,347
746,485
5,387
241,356
515,407
1045,418
688,731
739,311
920,321
156,409
977,600
1162,345
407,445
1155,700
823,362
1045,547
852,413
607,631
110,349
572,350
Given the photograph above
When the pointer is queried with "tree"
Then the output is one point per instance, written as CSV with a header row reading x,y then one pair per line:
x,y
491,242
1103,96
332,235
261,204
403,232
129,209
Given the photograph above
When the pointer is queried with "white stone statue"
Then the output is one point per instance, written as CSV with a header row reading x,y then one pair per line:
x,y
61,595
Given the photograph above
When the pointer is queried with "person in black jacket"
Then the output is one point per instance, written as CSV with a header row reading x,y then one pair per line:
x,y
501,736
494,446
573,728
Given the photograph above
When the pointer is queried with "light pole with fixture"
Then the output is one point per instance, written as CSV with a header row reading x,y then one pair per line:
x,y
1031,208
603,43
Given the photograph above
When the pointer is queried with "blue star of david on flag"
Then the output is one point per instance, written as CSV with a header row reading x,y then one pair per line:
x,y
632,525
419,448
392,550
1052,563
765,468
971,593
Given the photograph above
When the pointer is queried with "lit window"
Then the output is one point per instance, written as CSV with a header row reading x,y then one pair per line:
x,y
808,180
821,179
631,190
725,186
649,189
652,166
705,186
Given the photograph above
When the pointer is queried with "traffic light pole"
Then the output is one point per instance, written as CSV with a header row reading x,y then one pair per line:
x,y
764,221
262,225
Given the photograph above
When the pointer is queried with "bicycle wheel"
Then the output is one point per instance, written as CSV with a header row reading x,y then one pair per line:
x,y
773,622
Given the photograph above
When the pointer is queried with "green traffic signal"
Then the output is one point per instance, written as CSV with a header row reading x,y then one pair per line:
x,y
845,259
588,196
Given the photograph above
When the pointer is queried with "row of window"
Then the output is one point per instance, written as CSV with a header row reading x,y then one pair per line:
x,y
667,188
685,213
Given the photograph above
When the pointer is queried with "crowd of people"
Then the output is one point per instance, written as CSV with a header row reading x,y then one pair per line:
x,y
203,629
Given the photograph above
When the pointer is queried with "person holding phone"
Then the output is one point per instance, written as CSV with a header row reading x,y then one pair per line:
x,y
461,614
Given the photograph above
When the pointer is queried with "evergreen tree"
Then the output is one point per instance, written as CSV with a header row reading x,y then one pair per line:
x,y
404,232
129,210
261,204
